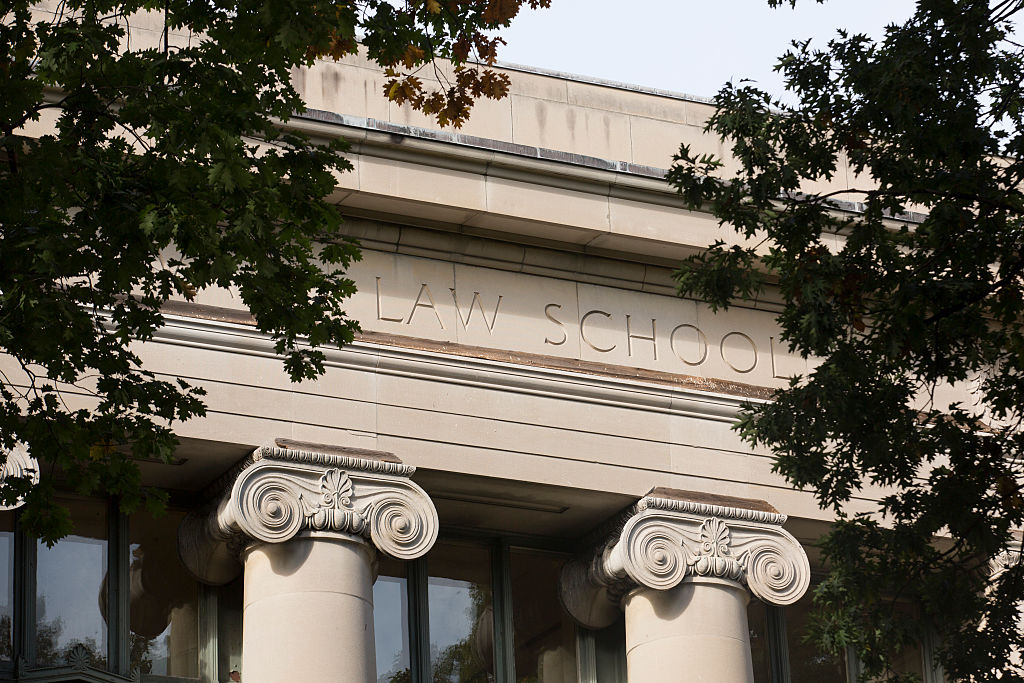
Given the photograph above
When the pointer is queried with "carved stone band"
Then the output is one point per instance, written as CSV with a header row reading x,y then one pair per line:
x,y
666,538
279,492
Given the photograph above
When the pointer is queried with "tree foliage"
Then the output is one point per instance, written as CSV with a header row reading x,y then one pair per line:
x,y
142,158
910,296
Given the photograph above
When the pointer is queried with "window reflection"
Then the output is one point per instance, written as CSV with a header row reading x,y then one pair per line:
x,y
229,631
6,585
545,638
461,614
164,607
807,664
910,660
391,623
610,652
70,588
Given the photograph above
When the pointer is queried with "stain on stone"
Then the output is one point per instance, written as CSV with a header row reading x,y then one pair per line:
x,y
334,85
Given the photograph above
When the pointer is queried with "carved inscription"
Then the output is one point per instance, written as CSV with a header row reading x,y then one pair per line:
x,y
686,342
549,313
625,336
424,299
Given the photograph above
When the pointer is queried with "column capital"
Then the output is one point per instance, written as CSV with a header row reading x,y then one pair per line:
x,y
277,493
672,535
18,464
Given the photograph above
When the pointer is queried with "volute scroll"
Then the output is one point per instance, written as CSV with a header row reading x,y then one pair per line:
x,y
279,493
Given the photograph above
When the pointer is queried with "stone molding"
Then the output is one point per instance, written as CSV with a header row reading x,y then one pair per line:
x,y
705,399
278,493
662,541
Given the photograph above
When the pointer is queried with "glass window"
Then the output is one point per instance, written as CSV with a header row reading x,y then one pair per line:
x,y
164,600
545,637
71,590
807,664
911,658
757,623
229,631
391,622
610,652
6,586
461,614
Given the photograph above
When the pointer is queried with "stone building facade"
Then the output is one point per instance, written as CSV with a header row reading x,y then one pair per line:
x,y
522,470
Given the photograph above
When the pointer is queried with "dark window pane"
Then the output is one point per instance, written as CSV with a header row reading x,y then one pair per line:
x,y
70,588
806,663
164,600
757,622
391,622
6,585
461,614
610,652
911,658
229,631
545,637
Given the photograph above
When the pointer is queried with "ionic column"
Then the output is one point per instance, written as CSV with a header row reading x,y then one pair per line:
x,y
682,566
999,565
306,526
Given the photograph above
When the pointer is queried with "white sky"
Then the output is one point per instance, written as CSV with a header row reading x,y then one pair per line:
x,y
689,46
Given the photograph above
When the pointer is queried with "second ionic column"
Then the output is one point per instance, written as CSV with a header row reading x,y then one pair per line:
x,y
683,569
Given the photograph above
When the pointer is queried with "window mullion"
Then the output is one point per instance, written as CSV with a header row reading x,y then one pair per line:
x,y
504,627
24,594
419,622
778,644
118,591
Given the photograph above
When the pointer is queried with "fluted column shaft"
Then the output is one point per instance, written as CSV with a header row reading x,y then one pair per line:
x,y
307,527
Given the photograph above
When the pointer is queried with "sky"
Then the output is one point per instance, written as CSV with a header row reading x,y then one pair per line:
x,y
687,46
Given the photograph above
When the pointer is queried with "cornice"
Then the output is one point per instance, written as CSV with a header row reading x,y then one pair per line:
x,y
509,160
488,157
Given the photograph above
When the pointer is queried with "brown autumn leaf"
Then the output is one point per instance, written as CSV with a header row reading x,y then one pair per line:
x,y
500,11
413,55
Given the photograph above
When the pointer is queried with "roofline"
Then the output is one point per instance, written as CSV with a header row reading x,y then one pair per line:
x,y
567,160
606,83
